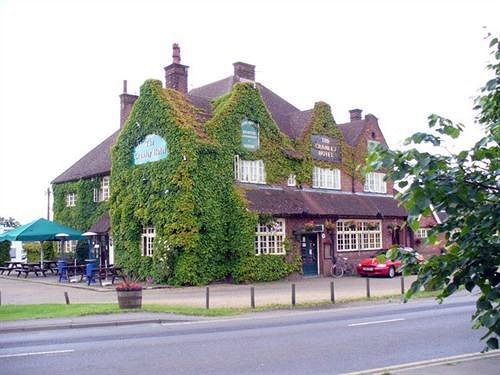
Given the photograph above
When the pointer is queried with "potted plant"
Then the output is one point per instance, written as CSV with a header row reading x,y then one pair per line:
x,y
129,294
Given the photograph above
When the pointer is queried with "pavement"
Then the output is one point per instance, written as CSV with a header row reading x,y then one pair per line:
x,y
395,338
37,290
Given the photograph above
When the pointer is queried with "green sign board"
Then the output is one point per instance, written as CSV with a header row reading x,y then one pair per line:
x,y
249,135
152,148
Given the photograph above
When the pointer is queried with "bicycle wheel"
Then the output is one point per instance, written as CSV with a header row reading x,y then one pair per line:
x,y
337,271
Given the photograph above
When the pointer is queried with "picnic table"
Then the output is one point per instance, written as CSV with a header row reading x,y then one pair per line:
x,y
50,265
104,273
28,268
10,266
71,270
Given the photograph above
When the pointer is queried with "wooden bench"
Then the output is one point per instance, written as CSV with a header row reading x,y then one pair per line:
x,y
30,268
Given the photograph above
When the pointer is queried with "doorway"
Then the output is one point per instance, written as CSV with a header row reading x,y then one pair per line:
x,y
309,253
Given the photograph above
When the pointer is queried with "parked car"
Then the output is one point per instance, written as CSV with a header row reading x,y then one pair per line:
x,y
372,266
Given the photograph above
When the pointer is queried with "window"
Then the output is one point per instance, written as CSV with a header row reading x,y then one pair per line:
x,y
292,181
147,238
249,135
249,171
422,232
102,194
372,144
358,235
69,247
374,182
269,238
70,200
326,178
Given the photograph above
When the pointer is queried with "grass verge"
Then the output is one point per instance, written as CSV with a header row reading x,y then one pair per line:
x,y
16,312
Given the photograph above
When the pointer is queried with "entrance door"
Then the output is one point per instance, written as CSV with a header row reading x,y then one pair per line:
x,y
309,251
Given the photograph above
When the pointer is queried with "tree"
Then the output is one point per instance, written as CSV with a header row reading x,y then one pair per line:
x,y
466,185
9,223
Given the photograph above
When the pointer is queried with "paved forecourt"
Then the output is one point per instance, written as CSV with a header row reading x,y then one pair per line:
x,y
47,290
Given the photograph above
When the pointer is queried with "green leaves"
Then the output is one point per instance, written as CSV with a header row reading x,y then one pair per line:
x,y
466,186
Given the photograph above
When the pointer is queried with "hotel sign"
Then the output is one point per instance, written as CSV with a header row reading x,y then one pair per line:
x,y
152,148
325,148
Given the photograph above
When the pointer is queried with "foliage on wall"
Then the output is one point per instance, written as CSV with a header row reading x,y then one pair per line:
x,y
4,251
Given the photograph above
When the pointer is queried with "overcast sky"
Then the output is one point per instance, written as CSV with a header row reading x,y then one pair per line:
x,y
62,64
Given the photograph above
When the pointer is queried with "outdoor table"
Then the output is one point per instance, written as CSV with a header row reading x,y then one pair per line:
x,y
28,268
51,265
10,266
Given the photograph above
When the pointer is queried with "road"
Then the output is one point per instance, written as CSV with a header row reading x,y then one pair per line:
x,y
327,341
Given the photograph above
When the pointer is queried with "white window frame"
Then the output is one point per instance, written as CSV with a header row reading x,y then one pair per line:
x,y
70,246
356,235
147,239
422,232
70,199
251,171
248,135
324,178
374,183
292,180
102,193
269,239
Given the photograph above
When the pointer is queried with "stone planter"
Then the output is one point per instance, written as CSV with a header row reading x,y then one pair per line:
x,y
129,299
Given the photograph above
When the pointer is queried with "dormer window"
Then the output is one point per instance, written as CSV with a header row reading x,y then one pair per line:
x,y
249,135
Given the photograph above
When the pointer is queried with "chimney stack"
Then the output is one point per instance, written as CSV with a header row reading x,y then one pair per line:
x,y
244,70
176,75
355,114
126,103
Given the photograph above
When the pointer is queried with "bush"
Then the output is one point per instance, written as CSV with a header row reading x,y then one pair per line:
x,y
33,251
4,251
262,268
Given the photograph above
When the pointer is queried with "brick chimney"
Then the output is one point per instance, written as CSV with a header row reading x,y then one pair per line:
x,y
355,114
176,74
126,103
244,70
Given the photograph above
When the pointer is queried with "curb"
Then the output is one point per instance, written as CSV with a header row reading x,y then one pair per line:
x,y
428,363
116,323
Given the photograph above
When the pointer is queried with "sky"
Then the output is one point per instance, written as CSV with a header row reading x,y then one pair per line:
x,y
62,64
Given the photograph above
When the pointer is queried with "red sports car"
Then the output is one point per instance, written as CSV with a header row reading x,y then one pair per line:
x,y
372,267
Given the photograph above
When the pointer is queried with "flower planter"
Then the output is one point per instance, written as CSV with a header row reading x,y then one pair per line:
x,y
129,299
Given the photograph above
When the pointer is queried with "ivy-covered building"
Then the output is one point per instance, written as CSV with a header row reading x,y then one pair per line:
x,y
230,180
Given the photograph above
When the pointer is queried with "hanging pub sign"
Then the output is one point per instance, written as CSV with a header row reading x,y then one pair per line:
x,y
152,148
325,148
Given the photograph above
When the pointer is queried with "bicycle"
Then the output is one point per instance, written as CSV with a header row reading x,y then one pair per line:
x,y
339,268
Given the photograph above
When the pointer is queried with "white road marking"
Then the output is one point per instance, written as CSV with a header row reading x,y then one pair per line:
x,y
375,322
36,353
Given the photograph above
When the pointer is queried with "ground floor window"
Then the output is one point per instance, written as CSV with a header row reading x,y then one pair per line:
x,y
355,235
69,247
422,232
147,238
269,238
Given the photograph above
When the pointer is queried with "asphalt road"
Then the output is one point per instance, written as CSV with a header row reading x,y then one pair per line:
x,y
282,342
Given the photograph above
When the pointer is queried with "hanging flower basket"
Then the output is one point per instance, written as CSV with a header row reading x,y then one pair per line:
x,y
129,295
330,225
309,226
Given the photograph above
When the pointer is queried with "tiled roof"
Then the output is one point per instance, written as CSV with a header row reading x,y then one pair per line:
x,y
286,202
214,89
352,131
103,225
97,162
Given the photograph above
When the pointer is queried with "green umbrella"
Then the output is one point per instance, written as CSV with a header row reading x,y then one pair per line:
x,y
41,230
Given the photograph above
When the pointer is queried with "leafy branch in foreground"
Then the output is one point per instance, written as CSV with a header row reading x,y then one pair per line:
x,y
466,185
